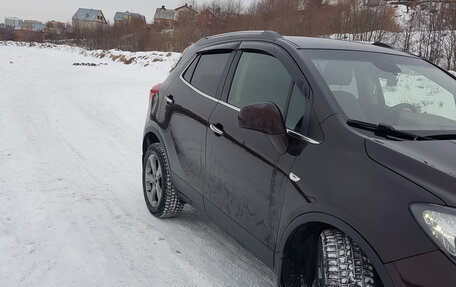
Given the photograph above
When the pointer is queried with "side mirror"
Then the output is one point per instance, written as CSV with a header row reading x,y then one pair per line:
x,y
265,118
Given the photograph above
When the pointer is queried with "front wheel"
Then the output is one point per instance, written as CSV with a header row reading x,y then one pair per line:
x,y
159,191
341,263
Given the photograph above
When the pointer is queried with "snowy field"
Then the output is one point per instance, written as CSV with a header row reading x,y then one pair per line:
x,y
71,206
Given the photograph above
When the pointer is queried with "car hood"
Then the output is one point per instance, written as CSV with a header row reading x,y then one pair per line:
x,y
430,164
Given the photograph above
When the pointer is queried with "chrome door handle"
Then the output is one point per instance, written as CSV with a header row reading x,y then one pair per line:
x,y
216,130
170,100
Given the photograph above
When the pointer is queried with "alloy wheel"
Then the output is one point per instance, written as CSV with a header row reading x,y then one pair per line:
x,y
153,180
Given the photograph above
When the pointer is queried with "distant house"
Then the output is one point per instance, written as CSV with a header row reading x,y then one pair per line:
x,y
55,30
207,18
89,20
128,19
13,22
31,31
55,26
165,18
185,12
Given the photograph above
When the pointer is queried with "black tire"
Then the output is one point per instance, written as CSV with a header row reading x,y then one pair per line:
x,y
168,205
341,263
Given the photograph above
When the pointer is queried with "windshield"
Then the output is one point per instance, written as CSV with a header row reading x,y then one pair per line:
x,y
404,92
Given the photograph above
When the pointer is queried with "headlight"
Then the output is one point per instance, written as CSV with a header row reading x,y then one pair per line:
x,y
439,222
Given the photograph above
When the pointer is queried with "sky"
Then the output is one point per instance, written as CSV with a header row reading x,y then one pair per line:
x,y
63,10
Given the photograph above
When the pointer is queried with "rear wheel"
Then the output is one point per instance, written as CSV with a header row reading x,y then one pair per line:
x,y
159,191
341,263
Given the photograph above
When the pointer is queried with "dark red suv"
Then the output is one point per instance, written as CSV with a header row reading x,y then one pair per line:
x,y
333,162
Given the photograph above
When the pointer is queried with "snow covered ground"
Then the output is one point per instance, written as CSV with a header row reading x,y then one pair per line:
x,y
71,203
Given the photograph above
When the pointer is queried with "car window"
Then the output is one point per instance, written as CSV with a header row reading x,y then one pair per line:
x,y
259,78
339,78
296,110
419,91
189,72
404,92
208,72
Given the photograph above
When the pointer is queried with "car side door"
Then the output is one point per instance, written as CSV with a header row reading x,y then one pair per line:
x,y
244,189
190,101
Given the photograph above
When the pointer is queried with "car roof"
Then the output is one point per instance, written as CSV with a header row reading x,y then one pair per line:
x,y
299,42
331,44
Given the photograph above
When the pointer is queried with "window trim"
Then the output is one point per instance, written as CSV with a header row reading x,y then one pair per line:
x,y
302,137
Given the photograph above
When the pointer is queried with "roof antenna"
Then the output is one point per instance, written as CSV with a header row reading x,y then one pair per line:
x,y
380,44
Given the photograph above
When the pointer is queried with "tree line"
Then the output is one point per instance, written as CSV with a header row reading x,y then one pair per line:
x,y
429,30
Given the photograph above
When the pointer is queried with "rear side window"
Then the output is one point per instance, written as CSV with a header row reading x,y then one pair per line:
x,y
260,78
208,72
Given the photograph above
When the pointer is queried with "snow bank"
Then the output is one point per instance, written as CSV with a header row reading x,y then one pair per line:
x,y
136,58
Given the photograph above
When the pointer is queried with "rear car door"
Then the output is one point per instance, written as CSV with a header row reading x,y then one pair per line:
x,y
190,101
244,189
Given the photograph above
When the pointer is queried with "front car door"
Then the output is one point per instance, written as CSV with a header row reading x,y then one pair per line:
x,y
243,186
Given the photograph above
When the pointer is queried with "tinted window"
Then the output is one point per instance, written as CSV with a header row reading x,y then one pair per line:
x,y
259,78
209,71
296,110
189,72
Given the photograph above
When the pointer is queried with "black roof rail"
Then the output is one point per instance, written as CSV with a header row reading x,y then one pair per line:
x,y
252,34
380,44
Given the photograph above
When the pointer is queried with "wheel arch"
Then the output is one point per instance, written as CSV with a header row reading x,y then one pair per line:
x,y
303,229
151,136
